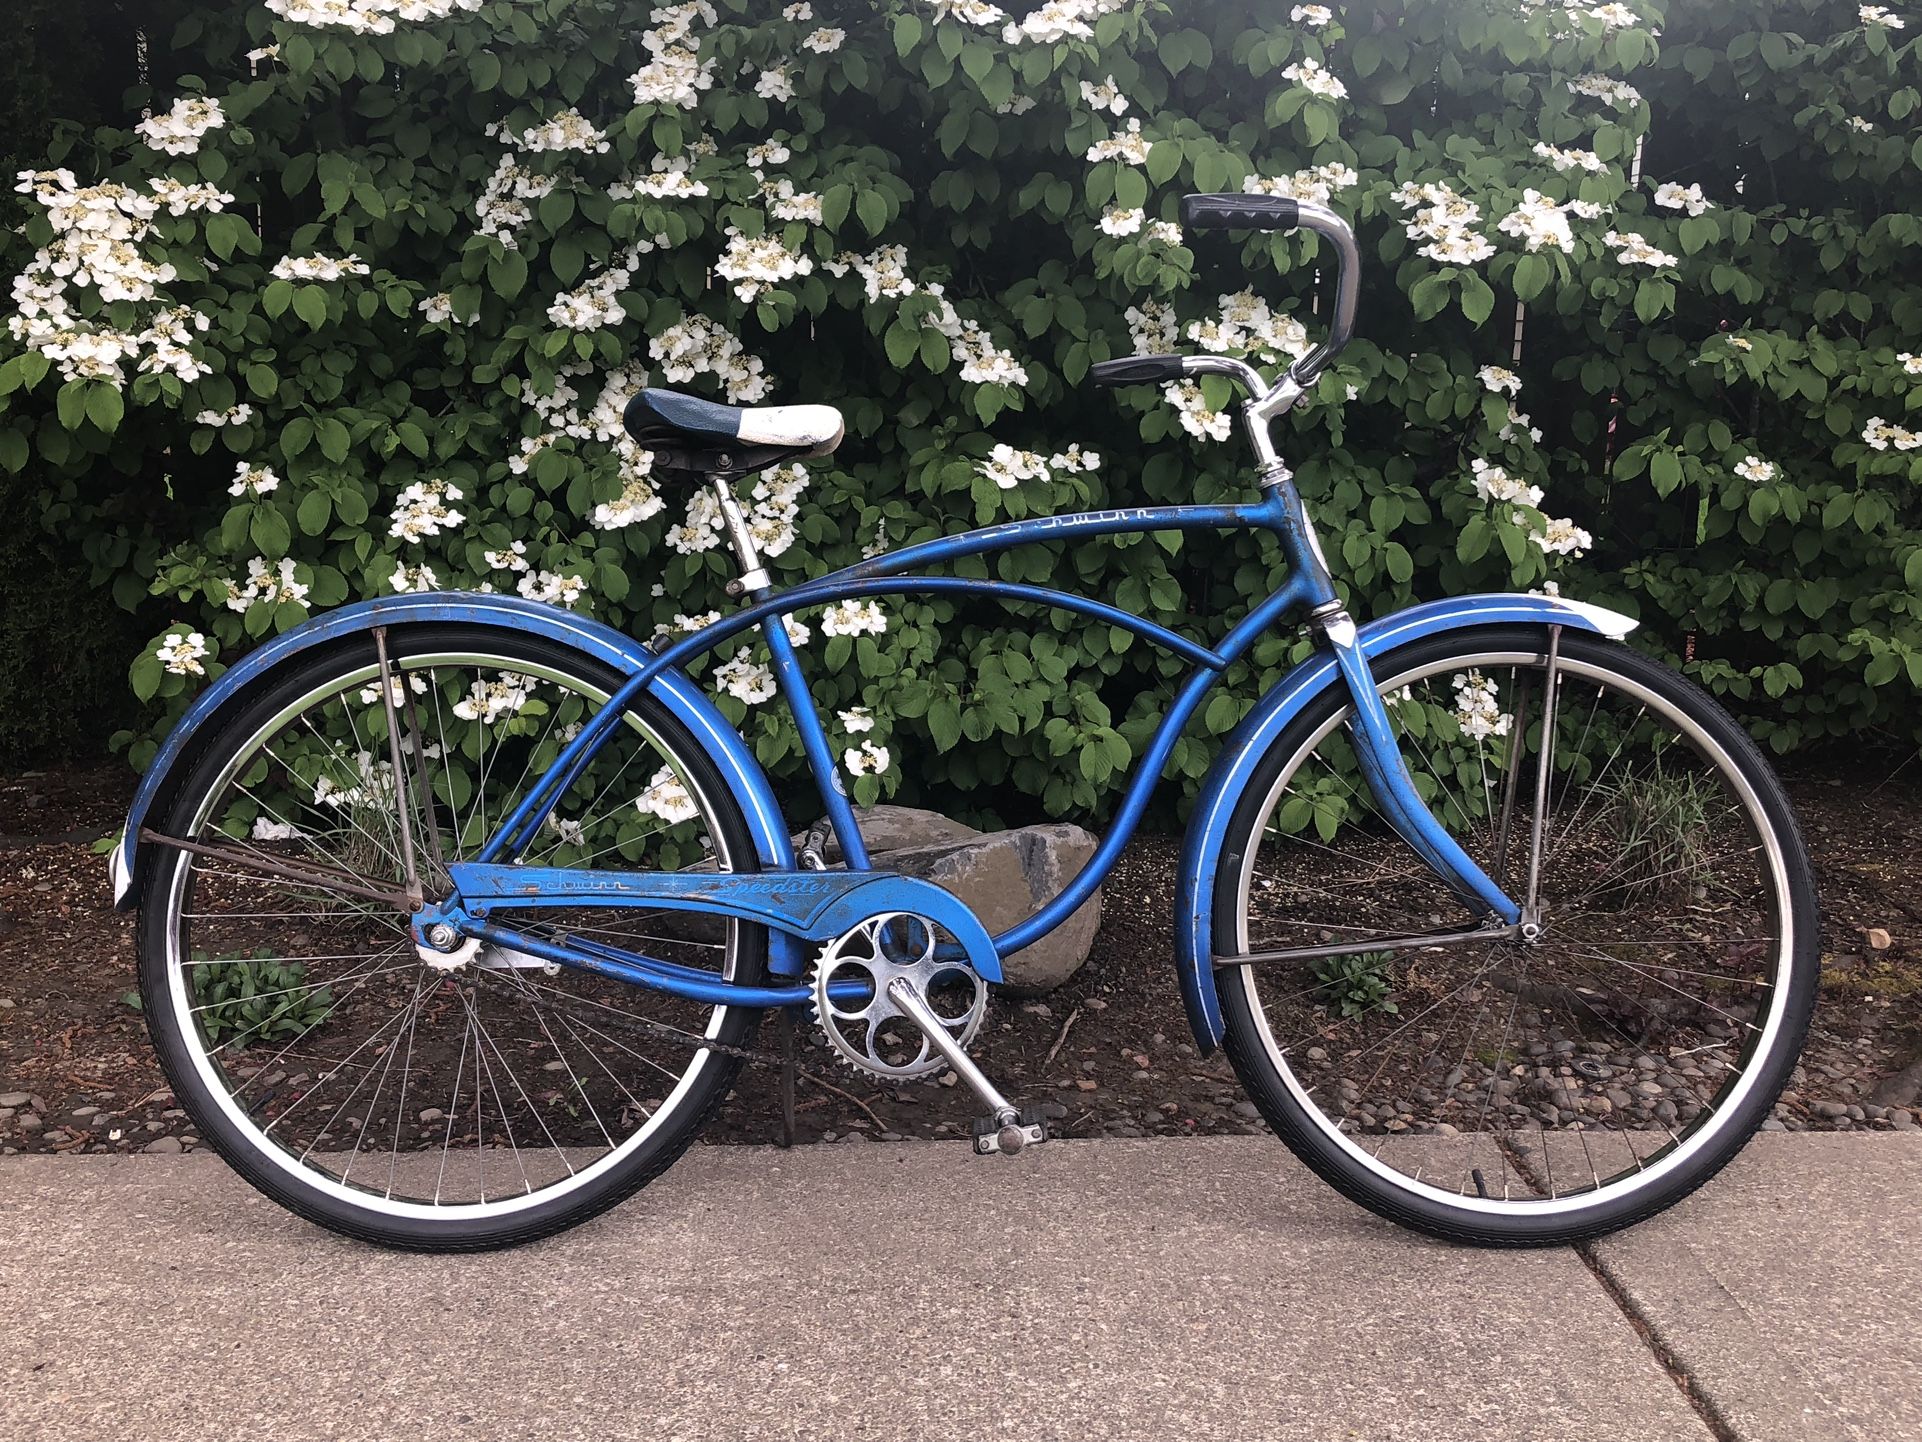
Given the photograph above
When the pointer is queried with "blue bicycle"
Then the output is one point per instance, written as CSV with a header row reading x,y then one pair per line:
x,y
459,913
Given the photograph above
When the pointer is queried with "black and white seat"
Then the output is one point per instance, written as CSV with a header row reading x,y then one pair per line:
x,y
686,433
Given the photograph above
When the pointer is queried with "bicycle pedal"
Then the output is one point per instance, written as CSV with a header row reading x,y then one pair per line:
x,y
1028,1129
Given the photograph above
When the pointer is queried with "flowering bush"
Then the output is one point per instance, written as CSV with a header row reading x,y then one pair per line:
x,y
361,313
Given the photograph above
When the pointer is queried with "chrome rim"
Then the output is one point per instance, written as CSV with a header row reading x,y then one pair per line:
x,y
1518,1111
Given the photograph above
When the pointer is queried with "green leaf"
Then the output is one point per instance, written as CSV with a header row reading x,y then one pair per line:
x,y
507,274
105,407
871,207
316,507
310,304
71,404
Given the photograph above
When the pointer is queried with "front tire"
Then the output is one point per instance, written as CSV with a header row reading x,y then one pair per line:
x,y
1501,1092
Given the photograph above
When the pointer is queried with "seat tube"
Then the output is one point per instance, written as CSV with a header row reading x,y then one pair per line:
x,y
814,742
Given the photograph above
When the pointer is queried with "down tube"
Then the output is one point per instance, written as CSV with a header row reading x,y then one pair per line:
x,y
1294,591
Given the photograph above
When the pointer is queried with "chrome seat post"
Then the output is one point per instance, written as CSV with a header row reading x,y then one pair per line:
x,y
754,580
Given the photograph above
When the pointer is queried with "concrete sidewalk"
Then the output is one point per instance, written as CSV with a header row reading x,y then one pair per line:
x,y
1154,1289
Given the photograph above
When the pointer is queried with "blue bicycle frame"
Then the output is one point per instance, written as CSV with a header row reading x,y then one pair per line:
x,y
799,906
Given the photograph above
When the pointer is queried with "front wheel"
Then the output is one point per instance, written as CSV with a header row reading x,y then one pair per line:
x,y
1499,1090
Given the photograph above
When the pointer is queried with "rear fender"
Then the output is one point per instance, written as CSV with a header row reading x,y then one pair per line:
x,y
739,770
1202,848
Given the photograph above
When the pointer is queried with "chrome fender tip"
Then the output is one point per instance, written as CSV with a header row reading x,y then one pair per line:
x,y
1612,624
117,869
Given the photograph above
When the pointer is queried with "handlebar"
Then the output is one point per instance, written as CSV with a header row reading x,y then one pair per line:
x,y
1257,212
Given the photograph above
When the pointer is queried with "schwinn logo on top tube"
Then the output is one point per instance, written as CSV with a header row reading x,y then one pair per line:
x,y
1082,518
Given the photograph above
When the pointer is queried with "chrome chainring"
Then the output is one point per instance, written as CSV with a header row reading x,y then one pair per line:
x,y
863,1025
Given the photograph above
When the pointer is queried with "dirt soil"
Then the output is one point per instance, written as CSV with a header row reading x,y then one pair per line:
x,y
1112,1046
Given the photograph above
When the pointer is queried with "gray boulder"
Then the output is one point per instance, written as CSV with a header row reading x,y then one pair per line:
x,y
1004,877
896,828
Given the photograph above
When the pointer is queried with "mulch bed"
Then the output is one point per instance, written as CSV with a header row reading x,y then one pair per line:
x,y
1112,1046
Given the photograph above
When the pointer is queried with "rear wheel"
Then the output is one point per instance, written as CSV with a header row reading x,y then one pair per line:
x,y
338,1072
1500,1090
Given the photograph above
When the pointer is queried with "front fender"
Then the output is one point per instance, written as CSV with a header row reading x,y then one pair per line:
x,y
1249,742
603,643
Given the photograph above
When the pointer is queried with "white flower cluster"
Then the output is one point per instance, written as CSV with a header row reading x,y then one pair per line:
x,y
180,130
1197,419
1311,75
439,310
317,267
1671,196
1478,708
1570,159
784,202
971,12
487,701
552,586
856,719
1754,468
867,759
776,507
676,75
597,304
96,243
1153,326
826,40
1879,15
1615,16
699,346
1316,184
253,480
177,197
774,84
1313,16
668,180
1127,145
1612,92
570,130
503,208
1058,20
637,502
1562,537
422,511
1632,249
374,781
1247,326
366,17
414,578
1861,125
745,679
1539,221
180,653
1008,467
1492,483
1446,221
1910,362
237,415
1105,96
853,618
1881,434
667,798
757,263
274,586
1499,379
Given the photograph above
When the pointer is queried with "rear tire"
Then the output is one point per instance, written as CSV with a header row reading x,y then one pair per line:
x,y
212,1078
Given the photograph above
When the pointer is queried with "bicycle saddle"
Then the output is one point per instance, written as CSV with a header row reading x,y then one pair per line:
x,y
686,433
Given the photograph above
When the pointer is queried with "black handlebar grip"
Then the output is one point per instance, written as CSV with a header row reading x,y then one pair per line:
x,y
1136,370
1246,212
